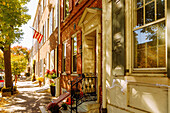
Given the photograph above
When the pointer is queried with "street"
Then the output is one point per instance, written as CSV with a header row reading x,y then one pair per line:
x,y
30,97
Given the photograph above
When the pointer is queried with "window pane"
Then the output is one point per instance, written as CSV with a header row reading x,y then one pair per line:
x,y
139,17
146,1
66,8
152,57
75,45
161,56
149,13
151,35
160,9
64,48
161,33
139,3
75,63
139,43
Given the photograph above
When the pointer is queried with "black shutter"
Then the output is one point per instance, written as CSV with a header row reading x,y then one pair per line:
x,y
118,49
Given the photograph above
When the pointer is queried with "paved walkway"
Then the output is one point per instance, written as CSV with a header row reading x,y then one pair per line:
x,y
30,97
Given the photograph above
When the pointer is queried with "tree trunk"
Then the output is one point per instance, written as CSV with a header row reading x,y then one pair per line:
x,y
7,64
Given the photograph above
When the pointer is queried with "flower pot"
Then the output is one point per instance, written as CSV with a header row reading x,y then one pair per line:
x,y
40,83
6,94
52,89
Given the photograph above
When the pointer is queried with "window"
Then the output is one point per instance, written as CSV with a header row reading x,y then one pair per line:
x,y
47,27
51,22
64,58
149,34
44,31
74,54
52,60
66,8
56,14
42,6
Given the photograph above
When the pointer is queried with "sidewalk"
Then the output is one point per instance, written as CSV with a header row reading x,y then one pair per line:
x,y
30,97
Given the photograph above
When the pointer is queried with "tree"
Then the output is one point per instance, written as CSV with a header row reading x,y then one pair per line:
x,y
1,60
12,16
19,59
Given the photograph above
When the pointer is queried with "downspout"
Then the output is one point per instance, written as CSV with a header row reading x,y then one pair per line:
x,y
58,33
58,88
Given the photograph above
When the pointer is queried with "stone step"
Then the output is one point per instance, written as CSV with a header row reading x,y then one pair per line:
x,y
88,107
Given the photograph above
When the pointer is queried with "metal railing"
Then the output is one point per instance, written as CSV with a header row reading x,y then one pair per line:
x,y
83,88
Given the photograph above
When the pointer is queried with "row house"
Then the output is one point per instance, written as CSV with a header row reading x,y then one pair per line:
x,y
136,67
44,54
71,45
115,50
79,50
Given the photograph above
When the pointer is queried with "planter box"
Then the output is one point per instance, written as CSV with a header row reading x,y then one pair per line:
x,y
52,89
6,94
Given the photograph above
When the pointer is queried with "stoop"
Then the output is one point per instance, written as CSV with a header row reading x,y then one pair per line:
x,y
86,107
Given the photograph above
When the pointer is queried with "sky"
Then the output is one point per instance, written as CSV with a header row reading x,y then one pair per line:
x,y
28,32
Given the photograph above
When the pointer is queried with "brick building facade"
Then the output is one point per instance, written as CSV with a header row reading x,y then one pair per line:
x,y
69,29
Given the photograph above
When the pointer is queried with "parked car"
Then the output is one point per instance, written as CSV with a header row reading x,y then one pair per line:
x,y
1,81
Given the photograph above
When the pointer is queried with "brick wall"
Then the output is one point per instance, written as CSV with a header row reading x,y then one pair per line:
x,y
70,26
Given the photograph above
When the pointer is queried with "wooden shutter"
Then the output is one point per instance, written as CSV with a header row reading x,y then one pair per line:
x,y
70,5
118,39
79,61
62,10
68,56
60,58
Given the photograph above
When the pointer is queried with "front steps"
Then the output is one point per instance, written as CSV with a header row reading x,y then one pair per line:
x,y
86,107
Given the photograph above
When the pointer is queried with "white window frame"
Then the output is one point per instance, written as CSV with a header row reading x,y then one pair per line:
x,y
146,70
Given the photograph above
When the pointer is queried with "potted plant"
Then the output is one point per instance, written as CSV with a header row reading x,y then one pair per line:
x,y
40,80
53,74
64,106
6,92
52,89
47,73
53,107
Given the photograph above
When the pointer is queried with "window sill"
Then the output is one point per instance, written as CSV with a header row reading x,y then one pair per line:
x,y
74,74
64,73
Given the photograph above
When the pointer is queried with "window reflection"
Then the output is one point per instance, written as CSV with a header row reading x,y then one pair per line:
x,y
66,5
149,13
139,3
147,1
75,54
160,9
149,46
149,40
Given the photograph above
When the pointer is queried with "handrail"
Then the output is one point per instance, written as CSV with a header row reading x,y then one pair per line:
x,y
81,94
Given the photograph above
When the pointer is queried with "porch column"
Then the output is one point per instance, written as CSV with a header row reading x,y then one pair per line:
x,y
98,66
168,37
104,107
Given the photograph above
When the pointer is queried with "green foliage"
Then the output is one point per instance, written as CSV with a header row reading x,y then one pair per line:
x,y
12,16
19,59
52,84
64,106
1,60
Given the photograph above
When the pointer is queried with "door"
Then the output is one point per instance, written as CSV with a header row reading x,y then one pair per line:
x,y
89,55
